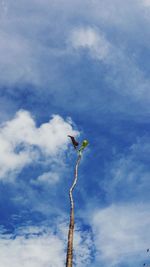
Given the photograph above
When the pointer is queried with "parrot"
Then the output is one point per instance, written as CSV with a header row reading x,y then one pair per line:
x,y
84,144
74,142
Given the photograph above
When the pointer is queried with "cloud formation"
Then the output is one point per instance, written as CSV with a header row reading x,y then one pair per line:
x,y
43,247
35,51
121,234
89,38
89,59
23,143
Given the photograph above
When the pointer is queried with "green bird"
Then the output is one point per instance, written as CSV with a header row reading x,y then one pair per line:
x,y
85,143
83,146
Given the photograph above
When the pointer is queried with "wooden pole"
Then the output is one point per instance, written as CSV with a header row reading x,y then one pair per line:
x,y
69,258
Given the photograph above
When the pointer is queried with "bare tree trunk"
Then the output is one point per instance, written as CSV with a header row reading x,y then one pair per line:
x,y
69,258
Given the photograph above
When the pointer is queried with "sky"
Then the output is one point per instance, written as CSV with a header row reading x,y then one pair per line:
x,y
79,68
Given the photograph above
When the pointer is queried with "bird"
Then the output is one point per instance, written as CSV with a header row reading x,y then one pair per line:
x,y
144,264
85,143
148,250
74,142
83,146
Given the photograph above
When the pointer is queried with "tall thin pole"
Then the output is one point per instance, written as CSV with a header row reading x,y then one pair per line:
x,y
69,258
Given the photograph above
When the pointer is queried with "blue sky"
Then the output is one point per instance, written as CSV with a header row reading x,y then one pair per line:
x,y
79,68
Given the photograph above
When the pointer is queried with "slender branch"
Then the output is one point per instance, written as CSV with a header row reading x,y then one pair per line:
x,y
69,258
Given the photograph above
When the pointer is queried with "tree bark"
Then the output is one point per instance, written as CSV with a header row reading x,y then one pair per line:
x,y
69,258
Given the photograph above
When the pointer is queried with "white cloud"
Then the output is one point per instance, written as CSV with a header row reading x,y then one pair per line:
x,y
43,247
34,39
126,78
33,251
121,234
146,3
34,52
47,177
22,142
87,37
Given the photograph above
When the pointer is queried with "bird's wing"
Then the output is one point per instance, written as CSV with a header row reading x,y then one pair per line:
x,y
74,142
